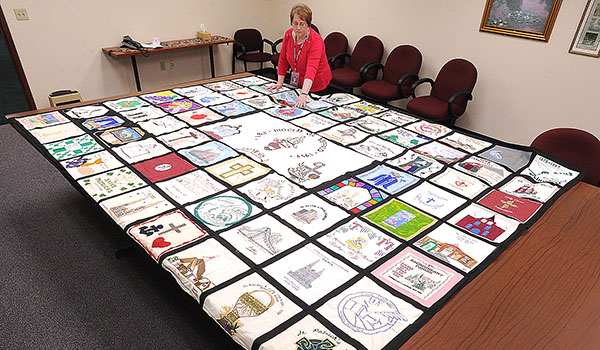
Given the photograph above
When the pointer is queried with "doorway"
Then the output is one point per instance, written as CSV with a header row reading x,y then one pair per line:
x,y
15,95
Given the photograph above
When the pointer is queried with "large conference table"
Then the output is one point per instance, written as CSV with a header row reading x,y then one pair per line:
x,y
540,293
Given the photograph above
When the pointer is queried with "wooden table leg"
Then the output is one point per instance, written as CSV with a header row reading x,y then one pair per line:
x,y
212,61
136,74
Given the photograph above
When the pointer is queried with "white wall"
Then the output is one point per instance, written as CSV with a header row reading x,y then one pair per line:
x,y
524,86
60,45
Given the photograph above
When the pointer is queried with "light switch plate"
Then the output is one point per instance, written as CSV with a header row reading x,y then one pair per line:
x,y
21,14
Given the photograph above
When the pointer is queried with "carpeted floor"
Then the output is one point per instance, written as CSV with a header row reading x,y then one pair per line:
x,y
61,286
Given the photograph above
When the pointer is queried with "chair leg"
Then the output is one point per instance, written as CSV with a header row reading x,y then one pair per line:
x,y
233,59
245,66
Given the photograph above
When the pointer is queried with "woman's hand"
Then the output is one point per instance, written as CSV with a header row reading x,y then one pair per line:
x,y
301,102
274,86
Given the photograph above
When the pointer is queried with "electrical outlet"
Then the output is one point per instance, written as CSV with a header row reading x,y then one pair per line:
x,y
162,65
171,64
21,14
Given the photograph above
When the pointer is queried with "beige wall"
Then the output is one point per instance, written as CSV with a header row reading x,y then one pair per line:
x,y
524,86
60,46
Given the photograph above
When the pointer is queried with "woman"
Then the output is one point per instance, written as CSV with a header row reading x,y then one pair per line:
x,y
303,51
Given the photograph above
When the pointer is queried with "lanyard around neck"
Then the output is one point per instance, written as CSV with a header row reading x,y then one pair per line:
x,y
296,56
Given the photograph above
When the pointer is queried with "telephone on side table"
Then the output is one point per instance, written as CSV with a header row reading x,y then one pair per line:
x,y
133,45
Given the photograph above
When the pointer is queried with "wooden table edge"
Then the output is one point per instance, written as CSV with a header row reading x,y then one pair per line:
x,y
479,332
83,103
112,51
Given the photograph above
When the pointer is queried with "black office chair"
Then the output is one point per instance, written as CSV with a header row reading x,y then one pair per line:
x,y
248,47
575,146
400,71
336,43
449,93
368,49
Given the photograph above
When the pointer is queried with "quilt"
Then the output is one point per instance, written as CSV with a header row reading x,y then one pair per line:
x,y
343,225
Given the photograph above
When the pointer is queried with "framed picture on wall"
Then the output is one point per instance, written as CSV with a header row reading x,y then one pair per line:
x,y
587,36
532,19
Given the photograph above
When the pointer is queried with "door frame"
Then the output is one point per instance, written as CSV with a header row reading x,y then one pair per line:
x,y
16,61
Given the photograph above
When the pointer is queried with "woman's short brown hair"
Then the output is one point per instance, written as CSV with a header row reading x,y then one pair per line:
x,y
303,11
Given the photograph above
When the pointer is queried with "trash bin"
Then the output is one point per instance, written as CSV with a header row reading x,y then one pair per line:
x,y
63,97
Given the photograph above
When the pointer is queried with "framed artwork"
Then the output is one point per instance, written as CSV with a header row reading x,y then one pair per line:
x,y
587,37
532,19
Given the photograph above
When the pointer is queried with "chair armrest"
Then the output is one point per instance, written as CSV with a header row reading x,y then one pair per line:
x,y
269,42
239,46
406,78
274,45
366,68
340,56
453,98
419,82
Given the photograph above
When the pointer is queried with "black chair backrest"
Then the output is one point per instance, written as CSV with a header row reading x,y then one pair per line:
x,y
335,43
251,39
314,27
402,60
575,146
367,49
456,75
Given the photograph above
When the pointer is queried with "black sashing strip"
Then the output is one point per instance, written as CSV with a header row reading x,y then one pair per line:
x,y
409,330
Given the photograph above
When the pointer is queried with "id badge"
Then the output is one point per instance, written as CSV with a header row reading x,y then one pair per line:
x,y
294,78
